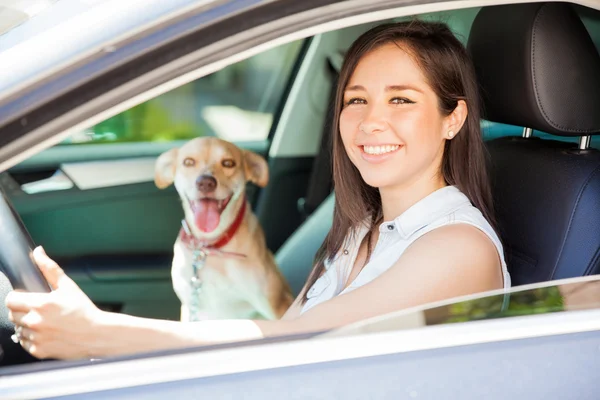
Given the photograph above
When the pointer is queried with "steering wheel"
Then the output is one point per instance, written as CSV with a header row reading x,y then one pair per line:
x,y
20,272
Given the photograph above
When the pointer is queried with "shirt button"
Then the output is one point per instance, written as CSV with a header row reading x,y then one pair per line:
x,y
391,227
346,252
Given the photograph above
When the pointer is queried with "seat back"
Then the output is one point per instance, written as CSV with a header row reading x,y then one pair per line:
x,y
538,68
295,258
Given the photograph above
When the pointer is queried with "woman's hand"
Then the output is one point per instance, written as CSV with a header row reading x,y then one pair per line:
x,y
60,324
65,324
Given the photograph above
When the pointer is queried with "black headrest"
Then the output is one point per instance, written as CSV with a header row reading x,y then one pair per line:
x,y
537,67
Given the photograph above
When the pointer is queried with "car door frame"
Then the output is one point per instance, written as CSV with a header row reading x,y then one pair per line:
x,y
444,361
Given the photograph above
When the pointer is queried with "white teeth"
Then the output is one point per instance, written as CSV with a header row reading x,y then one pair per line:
x,y
380,149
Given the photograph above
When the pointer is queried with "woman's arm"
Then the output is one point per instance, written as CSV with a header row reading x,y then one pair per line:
x,y
447,262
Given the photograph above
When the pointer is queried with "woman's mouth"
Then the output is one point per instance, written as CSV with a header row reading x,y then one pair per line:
x,y
384,149
378,153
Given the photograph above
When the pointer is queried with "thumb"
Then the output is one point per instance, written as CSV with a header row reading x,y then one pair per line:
x,y
55,276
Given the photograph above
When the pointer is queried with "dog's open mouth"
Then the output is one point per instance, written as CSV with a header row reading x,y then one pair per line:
x,y
207,212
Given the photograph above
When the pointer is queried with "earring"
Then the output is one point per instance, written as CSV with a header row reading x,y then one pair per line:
x,y
450,134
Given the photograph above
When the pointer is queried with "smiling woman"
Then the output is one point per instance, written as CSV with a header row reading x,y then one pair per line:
x,y
408,116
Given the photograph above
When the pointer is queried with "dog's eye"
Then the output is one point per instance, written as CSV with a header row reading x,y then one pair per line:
x,y
189,162
228,163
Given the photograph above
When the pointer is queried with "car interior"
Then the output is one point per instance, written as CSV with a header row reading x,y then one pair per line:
x,y
91,201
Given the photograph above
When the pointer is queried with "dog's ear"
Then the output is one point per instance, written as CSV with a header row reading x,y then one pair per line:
x,y
256,169
164,169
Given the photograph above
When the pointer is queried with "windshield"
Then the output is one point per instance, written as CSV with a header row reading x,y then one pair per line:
x,y
572,295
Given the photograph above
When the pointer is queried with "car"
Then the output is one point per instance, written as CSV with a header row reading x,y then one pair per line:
x,y
91,92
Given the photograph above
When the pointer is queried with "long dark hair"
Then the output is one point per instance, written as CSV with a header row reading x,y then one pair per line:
x,y
450,73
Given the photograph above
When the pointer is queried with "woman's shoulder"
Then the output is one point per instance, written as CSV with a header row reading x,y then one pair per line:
x,y
467,229
470,215
465,212
464,249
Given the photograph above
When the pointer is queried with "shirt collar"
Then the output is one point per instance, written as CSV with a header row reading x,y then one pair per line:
x,y
430,208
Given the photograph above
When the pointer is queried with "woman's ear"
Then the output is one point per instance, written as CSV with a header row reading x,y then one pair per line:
x,y
164,169
456,120
256,168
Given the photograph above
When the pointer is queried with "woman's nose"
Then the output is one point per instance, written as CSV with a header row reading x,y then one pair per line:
x,y
374,121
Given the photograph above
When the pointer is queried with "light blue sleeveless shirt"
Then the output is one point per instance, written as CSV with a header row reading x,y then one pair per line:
x,y
445,206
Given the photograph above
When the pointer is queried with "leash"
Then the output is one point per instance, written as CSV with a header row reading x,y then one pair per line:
x,y
200,252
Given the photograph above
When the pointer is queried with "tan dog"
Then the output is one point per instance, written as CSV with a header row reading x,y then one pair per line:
x,y
221,265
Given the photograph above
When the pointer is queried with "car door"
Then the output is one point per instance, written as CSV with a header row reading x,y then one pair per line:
x,y
91,200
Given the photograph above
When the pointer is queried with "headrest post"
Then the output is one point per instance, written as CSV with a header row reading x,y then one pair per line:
x,y
584,142
527,132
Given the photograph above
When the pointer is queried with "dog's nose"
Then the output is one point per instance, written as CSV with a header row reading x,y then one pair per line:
x,y
206,184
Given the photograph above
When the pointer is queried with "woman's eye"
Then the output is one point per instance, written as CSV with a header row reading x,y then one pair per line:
x,y
189,162
401,100
228,163
355,100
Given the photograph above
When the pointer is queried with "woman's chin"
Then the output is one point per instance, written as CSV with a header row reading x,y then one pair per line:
x,y
376,180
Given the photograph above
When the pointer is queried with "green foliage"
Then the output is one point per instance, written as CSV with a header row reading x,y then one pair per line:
x,y
146,122
535,301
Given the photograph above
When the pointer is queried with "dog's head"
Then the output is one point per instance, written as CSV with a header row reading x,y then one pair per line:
x,y
210,176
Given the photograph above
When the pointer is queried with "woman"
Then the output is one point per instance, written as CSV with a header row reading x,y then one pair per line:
x,y
412,222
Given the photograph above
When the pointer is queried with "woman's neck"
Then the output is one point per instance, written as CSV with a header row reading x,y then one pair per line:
x,y
396,200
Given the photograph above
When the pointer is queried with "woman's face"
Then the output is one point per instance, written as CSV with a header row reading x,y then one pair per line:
x,y
391,125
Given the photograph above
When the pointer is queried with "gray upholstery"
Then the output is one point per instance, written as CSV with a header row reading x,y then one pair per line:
x,y
295,257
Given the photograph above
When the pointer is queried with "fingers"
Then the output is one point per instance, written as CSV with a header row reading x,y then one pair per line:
x,y
28,334
29,319
28,338
26,344
52,272
31,347
22,301
16,317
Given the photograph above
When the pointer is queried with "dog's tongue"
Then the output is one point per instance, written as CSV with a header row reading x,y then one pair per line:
x,y
207,215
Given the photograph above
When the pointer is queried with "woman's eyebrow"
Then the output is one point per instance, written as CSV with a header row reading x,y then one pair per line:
x,y
389,88
355,88
397,88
